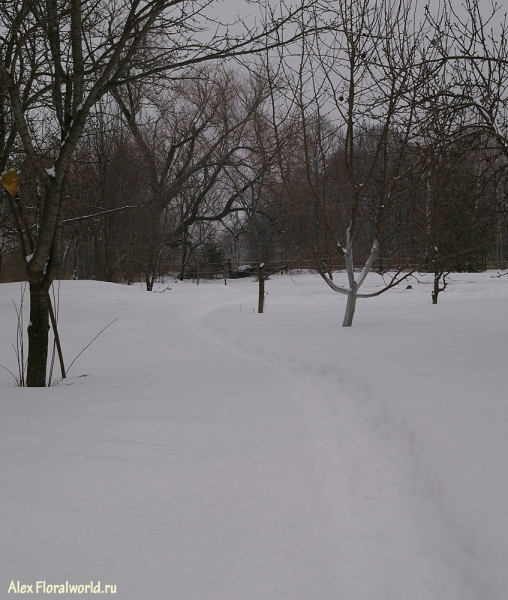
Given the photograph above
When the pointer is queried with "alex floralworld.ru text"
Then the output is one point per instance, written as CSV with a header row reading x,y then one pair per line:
x,y
41,587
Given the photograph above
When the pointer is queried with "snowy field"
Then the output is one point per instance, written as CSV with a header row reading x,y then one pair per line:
x,y
212,453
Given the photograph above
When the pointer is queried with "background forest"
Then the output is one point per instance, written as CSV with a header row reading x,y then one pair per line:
x,y
189,180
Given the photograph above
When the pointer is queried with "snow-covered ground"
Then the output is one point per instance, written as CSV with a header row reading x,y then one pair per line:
x,y
212,453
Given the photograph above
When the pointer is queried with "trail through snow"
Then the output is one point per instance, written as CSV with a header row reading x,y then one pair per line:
x,y
215,453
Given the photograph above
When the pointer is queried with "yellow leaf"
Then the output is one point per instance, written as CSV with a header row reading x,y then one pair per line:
x,y
10,181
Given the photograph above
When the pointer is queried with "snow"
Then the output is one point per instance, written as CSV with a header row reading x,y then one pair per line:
x,y
200,450
51,172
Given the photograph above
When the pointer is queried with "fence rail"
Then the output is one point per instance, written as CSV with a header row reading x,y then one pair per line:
x,y
236,269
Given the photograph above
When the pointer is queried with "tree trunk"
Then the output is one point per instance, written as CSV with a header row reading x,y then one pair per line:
x,y
42,270
350,309
184,262
261,288
439,276
437,289
38,334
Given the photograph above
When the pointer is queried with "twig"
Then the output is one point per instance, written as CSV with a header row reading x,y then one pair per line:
x,y
9,371
57,336
91,342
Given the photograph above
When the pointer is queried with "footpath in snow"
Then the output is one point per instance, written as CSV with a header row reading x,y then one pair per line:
x,y
214,453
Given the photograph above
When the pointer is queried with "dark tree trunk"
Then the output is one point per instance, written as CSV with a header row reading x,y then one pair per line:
x,y
261,289
437,289
438,276
184,262
42,270
38,334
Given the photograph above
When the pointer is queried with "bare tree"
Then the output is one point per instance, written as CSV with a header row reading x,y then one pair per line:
x,y
263,224
195,141
470,98
104,230
356,103
471,93
457,222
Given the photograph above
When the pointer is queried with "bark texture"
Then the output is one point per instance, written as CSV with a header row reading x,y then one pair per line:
x,y
261,288
38,334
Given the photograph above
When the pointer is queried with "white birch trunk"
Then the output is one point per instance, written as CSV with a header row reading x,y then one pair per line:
x,y
350,308
353,285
